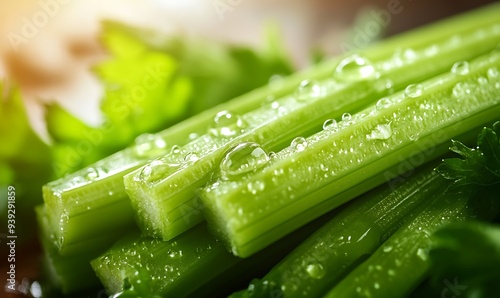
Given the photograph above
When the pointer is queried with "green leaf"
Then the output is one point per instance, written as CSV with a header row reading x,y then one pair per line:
x,y
479,166
467,254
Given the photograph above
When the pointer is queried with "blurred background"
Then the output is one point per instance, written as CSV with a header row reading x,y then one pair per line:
x,y
72,73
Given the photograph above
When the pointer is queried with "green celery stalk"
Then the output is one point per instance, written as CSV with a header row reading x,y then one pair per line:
x,y
337,164
69,274
90,195
163,193
347,239
194,264
402,263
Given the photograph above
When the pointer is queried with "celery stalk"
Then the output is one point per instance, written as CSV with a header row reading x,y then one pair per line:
x,y
339,163
163,193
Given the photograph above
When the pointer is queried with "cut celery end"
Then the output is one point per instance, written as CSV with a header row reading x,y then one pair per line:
x,y
68,274
251,213
348,238
402,262
171,182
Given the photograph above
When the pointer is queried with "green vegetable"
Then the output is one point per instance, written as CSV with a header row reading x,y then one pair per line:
x,y
335,165
163,192
466,255
403,262
194,264
459,252
68,274
347,239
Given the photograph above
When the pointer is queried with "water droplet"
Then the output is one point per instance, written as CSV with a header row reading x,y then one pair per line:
x,y
422,254
276,81
460,68
308,89
156,170
391,272
299,144
380,132
226,124
255,186
376,285
482,80
383,103
242,159
346,117
315,271
414,90
493,73
330,124
190,158
91,174
462,89
387,248
147,145
175,254
176,149
354,68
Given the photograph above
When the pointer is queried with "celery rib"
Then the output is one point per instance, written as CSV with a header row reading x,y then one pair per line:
x,y
102,182
161,190
398,267
253,212
352,235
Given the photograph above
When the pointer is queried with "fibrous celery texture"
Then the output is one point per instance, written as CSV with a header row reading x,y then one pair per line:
x,y
80,204
348,238
163,193
352,156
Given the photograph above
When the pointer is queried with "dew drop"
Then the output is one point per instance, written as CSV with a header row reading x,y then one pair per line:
x,y
255,186
176,149
383,103
422,254
460,68
462,89
226,124
242,159
387,248
380,132
346,117
330,124
354,68
91,174
147,145
299,144
156,170
315,271
190,158
414,90
308,89
493,73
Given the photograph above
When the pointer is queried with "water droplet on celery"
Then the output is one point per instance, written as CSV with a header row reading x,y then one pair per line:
x,y
422,254
255,186
383,103
242,159
226,124
346,117
176,149
387,248
376,285
276,81
190,158
354,68
330,124
462,89
308,89
147,145
493,73
156,170
298,144
175,254
460,68
414,90
91,174
380,132
315,271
